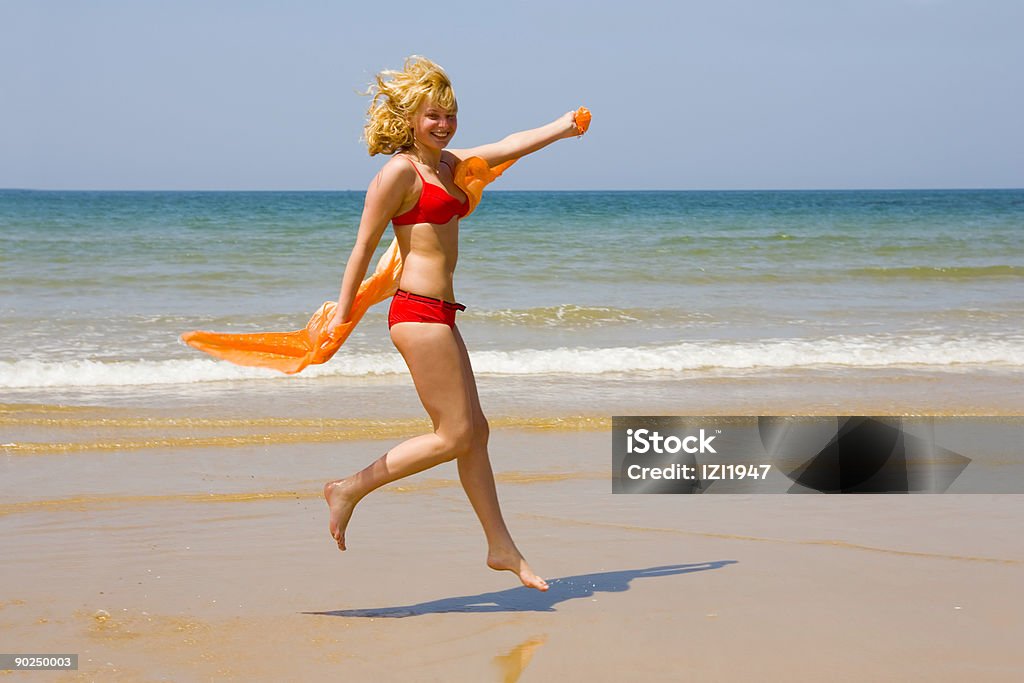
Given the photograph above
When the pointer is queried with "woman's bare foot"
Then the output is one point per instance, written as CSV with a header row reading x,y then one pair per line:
x,y
341,503
512,561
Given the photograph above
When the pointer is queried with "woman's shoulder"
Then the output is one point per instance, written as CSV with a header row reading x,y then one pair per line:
x,y
398,162
397,170
396,179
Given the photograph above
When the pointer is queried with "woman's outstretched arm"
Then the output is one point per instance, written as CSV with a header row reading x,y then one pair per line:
x,y
384,197
522,143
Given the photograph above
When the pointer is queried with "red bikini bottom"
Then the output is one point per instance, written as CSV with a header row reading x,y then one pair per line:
x,y
414,308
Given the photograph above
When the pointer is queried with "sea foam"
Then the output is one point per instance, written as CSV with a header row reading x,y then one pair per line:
x,y
933,353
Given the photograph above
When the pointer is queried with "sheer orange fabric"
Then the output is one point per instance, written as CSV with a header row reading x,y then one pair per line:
x,y
292,352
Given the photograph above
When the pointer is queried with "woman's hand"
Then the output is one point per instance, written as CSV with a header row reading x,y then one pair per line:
x,y
567,123
333,325
575,122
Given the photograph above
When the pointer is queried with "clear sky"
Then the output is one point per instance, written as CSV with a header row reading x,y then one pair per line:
x,y
710,94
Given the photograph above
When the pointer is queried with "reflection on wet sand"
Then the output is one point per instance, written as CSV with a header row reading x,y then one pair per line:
x,y
116,430
512,663
99,502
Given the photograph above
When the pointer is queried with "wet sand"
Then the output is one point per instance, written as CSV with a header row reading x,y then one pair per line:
x,y
214,563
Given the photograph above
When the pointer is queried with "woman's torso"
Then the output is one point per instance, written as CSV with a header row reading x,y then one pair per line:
x,y
430,248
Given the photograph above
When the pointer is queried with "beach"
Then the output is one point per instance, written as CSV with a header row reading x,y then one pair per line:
x,y
161,513
215,564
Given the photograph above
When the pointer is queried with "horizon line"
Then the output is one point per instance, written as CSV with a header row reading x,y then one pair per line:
x,y
497,190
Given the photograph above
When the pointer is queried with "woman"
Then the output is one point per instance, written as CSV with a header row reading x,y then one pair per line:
x,y
413,116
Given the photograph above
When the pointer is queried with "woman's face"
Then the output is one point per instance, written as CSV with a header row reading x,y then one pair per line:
x,y
433,126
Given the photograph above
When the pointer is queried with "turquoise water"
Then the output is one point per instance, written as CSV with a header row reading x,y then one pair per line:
x,y
96,286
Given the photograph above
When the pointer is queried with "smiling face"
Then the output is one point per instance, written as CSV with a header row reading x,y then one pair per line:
x,y
433,126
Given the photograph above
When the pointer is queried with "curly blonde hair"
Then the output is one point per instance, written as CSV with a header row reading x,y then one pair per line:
x,y
396,97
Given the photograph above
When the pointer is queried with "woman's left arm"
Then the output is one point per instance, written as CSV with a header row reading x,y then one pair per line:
x,y
522,143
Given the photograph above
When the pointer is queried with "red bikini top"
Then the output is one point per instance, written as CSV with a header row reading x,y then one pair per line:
x,y
435,205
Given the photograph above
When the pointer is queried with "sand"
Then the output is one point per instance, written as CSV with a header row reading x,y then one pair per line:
x,y
214,563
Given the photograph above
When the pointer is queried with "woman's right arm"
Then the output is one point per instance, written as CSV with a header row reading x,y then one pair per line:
x,y
384,198
522,143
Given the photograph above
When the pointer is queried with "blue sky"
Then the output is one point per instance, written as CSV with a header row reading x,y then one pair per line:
x,y
730,94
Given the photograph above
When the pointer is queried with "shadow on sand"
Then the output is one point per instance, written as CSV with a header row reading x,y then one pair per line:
x,y
524,599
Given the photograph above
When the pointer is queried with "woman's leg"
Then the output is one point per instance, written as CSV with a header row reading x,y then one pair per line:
x,y
440,368
477,479
432,354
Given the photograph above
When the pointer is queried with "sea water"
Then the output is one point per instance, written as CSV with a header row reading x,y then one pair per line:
x,y
567,293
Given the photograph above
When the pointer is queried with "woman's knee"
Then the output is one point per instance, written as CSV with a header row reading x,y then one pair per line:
x,y
465,439
457,441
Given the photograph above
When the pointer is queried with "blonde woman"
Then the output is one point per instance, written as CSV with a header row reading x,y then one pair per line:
x,y
413,118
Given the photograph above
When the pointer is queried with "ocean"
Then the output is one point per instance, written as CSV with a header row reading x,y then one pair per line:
x,y
578,303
